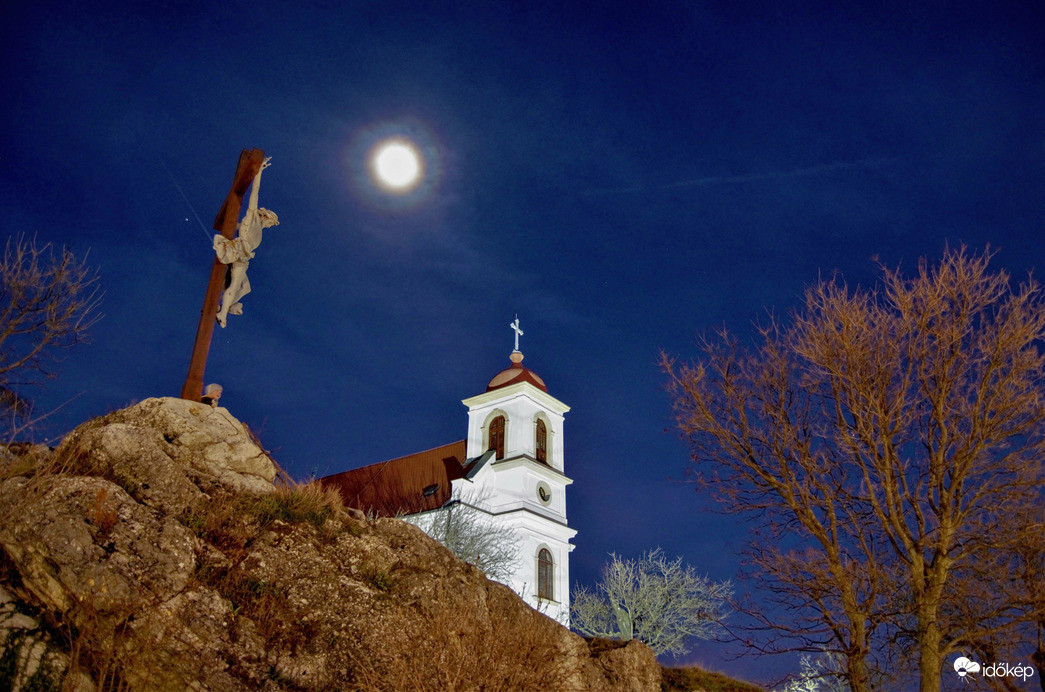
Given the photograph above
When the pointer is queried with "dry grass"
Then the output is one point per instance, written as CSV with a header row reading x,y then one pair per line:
x,y
424,646
231,521
92,646
693,678
102,512
32,461
438,649
19,464
291,503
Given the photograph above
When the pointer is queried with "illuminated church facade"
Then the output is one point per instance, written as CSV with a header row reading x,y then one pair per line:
x,y
510,468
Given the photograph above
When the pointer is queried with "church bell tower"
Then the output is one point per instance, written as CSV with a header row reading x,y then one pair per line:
x,y
515,431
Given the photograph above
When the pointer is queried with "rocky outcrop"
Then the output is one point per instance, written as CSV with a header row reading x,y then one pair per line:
x,y
168,453
81,544
151,551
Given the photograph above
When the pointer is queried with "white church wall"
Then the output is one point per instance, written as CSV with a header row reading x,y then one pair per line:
x,y
510,496
514,484
533,535
527,577
520,404
520,493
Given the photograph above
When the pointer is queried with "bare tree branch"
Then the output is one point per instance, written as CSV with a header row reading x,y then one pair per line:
x,y
890,444
48,302
472,535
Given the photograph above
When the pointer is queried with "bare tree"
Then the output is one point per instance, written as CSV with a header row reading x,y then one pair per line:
x,y
818,674
474,536
885,441
1018,601
48,301
660,602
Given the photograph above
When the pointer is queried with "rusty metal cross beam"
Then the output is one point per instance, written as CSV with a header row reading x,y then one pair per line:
x,y
226,223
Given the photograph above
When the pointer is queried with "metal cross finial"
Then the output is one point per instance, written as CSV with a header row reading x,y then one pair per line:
x,y
518,332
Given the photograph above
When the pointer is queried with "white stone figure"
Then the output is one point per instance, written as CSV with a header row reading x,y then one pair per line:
x,y
212,393
237,252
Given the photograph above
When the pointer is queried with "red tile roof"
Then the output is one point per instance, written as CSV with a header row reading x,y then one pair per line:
x,y
399,486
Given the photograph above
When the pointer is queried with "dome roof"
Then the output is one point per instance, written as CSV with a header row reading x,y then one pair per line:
x,y
515,374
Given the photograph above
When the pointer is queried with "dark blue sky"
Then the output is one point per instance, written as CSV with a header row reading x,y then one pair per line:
x,y
621,175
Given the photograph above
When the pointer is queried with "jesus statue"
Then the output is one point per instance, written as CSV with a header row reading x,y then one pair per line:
x,y
237,252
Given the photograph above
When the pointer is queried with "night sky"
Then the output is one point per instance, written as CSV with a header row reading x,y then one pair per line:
x,y
623,176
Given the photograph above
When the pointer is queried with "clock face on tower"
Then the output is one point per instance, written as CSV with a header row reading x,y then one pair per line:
x,y
544,493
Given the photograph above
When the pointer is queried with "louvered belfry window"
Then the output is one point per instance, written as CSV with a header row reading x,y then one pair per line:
x,y
497,436
542,442
545,575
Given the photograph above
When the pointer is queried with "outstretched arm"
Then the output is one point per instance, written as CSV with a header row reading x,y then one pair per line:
x,y
256,187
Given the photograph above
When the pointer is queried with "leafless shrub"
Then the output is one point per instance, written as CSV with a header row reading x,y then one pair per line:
x,y
658,601
48,302
472,535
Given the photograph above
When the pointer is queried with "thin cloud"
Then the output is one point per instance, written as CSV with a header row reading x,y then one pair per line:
x,y
750,177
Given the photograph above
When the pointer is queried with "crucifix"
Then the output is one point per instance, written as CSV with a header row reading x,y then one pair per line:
x,y
518,332
239,251
250,163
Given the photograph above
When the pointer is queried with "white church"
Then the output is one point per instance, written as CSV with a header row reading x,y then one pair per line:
x,y
510,468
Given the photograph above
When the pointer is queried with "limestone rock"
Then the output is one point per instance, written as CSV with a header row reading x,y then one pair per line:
x,y
84,547
138,443
627,665
32,660
189,641
136,459
156,536
216,441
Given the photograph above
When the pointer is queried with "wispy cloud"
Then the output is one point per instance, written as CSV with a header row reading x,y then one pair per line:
x,y
705,181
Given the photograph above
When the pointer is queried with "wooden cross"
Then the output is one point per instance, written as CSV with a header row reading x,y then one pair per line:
x,y
226,222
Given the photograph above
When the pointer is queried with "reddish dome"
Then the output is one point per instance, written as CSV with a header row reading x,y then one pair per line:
x,y
516,374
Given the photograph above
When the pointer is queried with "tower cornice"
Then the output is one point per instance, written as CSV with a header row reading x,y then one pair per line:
x,y
512,391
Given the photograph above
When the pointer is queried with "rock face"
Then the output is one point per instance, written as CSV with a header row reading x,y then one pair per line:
x,y
151,551
168,452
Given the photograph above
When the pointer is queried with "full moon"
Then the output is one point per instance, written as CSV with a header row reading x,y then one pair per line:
x,y
396,165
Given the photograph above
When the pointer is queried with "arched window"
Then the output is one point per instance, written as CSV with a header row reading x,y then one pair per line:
x,y
497,436
545,575
542,442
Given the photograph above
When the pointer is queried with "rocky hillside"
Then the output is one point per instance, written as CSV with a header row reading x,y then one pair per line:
x,y
152,551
